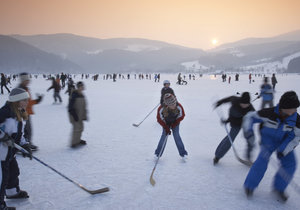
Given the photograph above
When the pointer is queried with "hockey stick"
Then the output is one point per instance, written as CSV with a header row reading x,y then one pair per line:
x,y
238,93
101,190
137,125
152,181
246,162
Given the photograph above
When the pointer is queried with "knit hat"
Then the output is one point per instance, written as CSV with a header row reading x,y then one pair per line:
x,y
169,99
18,94
245,98
24,77
79,84
289,100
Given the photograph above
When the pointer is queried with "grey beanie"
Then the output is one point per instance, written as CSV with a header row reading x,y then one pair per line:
x,y
18,94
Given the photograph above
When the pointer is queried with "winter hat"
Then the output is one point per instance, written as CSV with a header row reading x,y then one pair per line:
x,y
289,100
166,82
266,79
169,99
24,77
18,94
79,84
245,98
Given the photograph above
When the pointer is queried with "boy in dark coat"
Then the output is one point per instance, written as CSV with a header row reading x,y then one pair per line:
x,y
240,106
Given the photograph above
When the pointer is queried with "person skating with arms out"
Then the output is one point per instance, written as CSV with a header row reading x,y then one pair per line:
x,y
24,83
240,106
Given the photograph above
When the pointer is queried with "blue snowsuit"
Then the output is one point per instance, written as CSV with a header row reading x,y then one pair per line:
x,y
266,92
277,134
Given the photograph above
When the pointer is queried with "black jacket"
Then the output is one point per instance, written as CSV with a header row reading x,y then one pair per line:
x,y
236,112
164,91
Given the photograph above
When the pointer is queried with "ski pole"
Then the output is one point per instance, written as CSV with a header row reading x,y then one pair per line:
x,y
137,125
101,190
152,181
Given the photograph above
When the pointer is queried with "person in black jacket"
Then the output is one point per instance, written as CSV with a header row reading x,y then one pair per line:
x,y
4,83
166,89
274,81
239,108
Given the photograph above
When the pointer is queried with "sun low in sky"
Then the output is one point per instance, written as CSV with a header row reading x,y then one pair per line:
x,y
215,42
190,23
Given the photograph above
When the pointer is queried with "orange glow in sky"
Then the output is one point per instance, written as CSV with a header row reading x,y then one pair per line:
x,y
192,23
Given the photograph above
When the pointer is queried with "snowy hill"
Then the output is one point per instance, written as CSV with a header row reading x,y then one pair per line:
x,y
114,55
17,56
121,156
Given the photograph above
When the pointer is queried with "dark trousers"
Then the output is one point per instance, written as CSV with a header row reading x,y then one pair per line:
x,y
10,176
5,87
225,144
28,129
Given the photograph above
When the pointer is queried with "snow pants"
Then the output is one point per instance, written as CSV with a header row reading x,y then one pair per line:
x,y
225,144
9,178
5,87
28,129
56,95
77,131
283,176
177,139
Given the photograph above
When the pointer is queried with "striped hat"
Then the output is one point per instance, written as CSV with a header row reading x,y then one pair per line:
x,y
17,94
169,99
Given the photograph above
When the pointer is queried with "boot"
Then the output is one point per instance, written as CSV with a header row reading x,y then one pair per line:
x,y
216,160
20,194
249,192
281,196
4,207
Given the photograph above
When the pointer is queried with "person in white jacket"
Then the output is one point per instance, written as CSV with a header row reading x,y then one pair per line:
x,y
12,122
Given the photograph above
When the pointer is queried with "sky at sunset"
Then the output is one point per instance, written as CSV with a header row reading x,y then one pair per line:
x,y
192,23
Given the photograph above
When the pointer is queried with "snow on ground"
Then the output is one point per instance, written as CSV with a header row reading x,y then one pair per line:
x,y
121,156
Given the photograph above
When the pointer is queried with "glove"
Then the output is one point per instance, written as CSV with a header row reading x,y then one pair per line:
x,y
28,149
168,131
223,121
218,103
173,125
280,155
5,137
39,99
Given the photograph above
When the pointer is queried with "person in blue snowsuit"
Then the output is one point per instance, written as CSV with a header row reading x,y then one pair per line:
x,y
280,132
266,92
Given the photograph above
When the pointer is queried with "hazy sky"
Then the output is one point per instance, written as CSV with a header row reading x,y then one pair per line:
x,y
192,23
